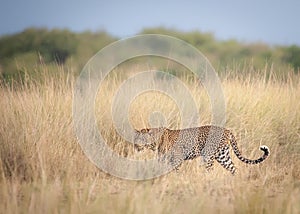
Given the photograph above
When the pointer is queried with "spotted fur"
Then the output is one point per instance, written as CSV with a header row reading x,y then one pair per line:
x,y
210,142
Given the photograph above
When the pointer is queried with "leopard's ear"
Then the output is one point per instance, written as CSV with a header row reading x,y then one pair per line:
x,y
162,128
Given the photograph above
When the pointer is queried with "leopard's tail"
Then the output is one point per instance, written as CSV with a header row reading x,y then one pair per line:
x,y
237,152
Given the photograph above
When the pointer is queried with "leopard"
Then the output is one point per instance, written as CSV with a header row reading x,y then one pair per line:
x,y
208,141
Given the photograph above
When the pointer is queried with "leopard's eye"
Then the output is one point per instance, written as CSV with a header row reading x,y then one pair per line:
x,y
145,130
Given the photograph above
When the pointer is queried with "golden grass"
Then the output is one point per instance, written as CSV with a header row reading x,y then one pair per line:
x,y
43,170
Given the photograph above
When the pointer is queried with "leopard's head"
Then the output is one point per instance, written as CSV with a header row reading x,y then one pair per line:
x,y
147,138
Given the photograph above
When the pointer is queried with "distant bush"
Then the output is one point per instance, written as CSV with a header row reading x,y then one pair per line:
x,y
55,45
32,47
224,54
292,56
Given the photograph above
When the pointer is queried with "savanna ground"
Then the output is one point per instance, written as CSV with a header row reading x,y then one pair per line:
x,y
43,169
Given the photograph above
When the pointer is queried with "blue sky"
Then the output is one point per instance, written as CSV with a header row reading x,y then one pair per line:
x,y
271,21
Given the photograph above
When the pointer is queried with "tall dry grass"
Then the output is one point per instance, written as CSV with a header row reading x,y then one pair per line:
x,y
43,170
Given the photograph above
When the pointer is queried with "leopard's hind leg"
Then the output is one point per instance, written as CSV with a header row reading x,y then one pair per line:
x,y
209,162
224,159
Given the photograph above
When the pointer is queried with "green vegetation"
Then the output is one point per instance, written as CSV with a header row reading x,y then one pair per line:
x,y
32,49
225,52
26,51
292,56
55,45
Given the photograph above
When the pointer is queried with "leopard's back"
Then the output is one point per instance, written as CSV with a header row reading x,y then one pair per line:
x,y
193,140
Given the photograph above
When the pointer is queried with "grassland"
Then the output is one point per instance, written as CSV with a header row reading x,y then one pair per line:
x,y
43,169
